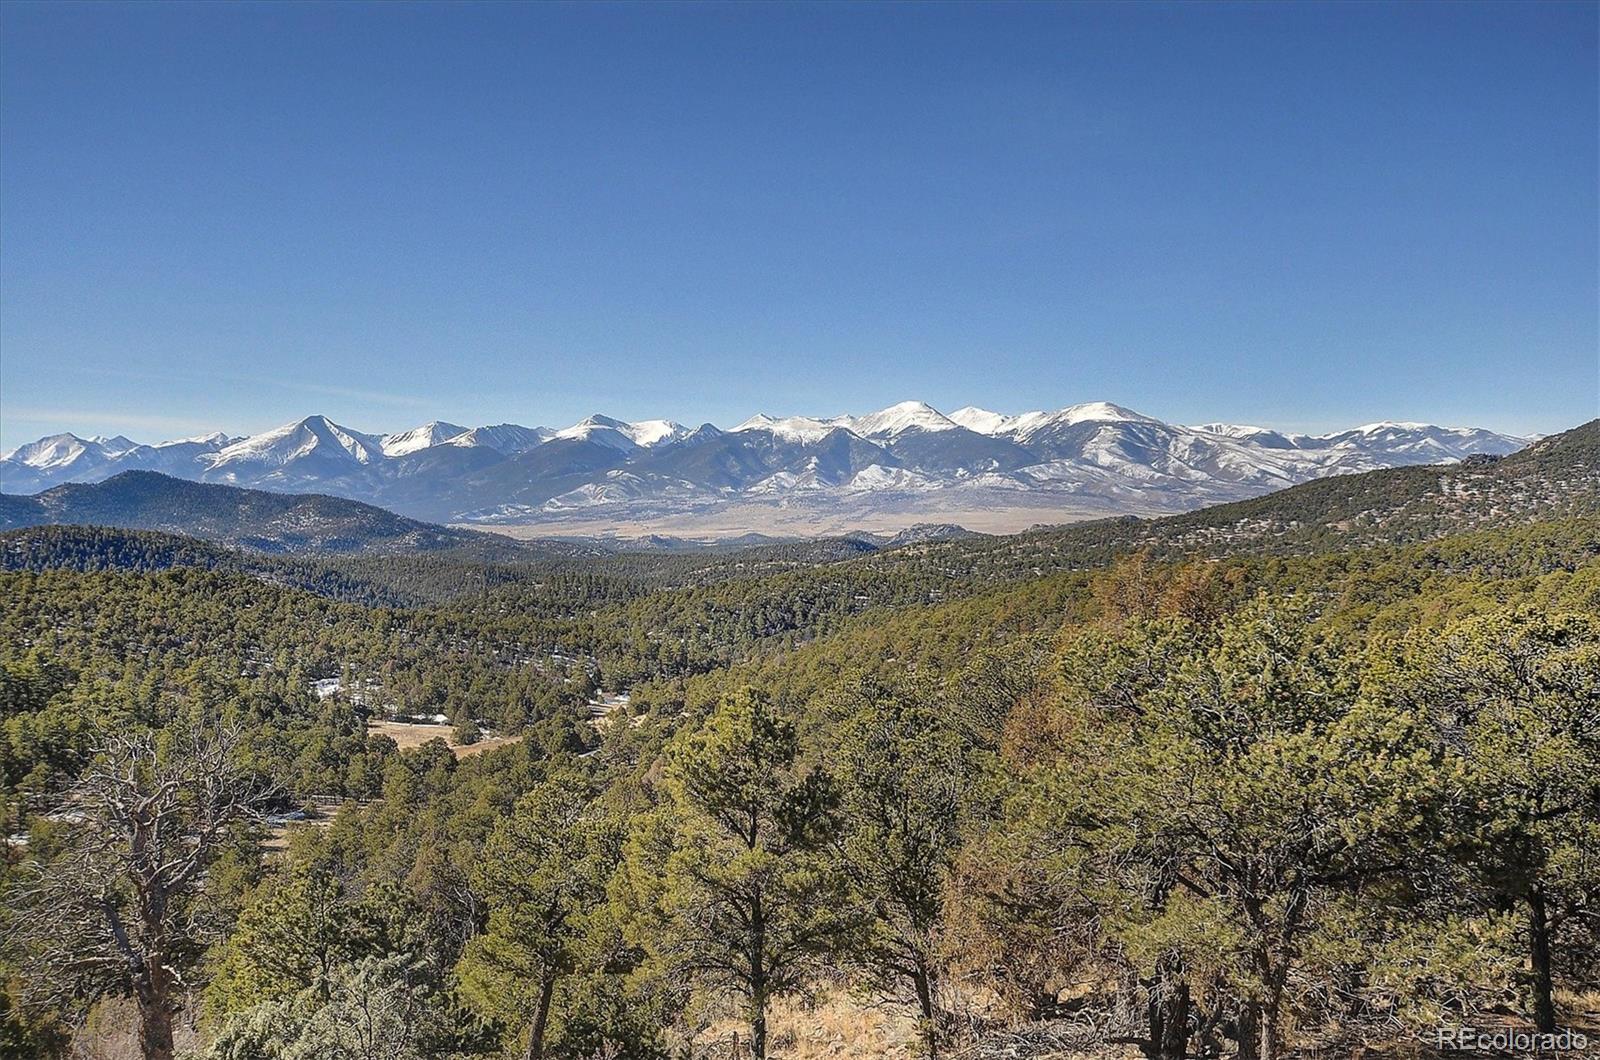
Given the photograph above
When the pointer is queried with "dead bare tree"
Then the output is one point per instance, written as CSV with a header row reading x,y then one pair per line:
x,y
117,911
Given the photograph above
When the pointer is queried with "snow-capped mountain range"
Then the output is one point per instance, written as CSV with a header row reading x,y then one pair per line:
x,y
909,459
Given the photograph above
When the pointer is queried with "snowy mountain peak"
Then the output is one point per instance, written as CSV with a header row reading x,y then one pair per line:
x,y
803,430
508,438
1246,432
1092,457
215,440
1101,411
293,441
597,420
1231,430
66,450
1032,424
113,445
1393,425
619,434
598,428
55,450
429,434
902,417
649,433
981,420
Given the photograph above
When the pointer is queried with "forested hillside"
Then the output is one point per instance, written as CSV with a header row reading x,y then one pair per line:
x,y
1317,770
250,519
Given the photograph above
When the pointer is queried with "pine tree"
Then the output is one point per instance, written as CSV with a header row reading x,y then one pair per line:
x,y
1515,695
731,884
907,776
543,873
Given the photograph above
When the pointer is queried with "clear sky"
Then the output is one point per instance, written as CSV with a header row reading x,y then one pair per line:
x,y
230,216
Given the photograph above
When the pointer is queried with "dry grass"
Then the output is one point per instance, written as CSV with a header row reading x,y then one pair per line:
x,y
408,735
834,1027
838,1025
1582,1007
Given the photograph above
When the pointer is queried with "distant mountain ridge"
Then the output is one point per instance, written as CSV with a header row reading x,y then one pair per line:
x,y
1555,481
908,463
258,520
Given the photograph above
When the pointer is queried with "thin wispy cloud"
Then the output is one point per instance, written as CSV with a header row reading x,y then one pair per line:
x,y
104,419
374,397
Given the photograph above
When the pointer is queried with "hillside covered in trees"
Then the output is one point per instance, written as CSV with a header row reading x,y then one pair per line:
x,y
257,520
1319,770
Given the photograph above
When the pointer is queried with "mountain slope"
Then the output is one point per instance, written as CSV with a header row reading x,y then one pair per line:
x,y
507,438
1555,483
1556,478
429,434
253,519
957,449
905,464
897,419
68,458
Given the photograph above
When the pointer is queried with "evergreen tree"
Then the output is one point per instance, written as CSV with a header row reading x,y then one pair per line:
x,y
907,778
1515,694
731,884
294,932
543,874
1226,787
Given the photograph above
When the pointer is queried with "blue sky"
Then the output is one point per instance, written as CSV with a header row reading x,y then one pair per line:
x,y
230,216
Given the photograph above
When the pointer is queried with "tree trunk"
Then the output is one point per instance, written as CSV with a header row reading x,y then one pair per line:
x,y
155,1025
1169,1012
758,1029
1173,1043
1249,1031
541,1018
1272,1013
924,987
758,980
1271,1031
1544,1008
923,982
1206,1044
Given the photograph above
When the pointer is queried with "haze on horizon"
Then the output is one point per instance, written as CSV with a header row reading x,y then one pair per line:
x,y
1307,217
